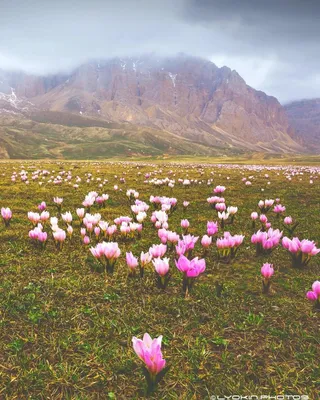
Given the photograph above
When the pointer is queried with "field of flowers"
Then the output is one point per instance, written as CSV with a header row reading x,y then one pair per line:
x,y
217,263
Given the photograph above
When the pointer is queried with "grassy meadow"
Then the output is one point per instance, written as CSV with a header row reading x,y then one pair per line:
x,y
66,329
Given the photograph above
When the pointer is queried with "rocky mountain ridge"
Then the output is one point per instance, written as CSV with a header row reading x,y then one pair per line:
x,y
186,96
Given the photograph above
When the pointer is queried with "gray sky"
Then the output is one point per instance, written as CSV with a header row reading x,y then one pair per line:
x,y
273,44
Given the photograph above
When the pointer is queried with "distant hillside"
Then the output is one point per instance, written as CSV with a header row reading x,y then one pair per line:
x,y
304,117
23,138
188,97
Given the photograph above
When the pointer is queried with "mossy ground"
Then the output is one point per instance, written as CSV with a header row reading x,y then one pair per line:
x,y
65,331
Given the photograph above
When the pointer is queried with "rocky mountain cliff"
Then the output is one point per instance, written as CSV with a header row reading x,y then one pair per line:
x,y
304,117
183,95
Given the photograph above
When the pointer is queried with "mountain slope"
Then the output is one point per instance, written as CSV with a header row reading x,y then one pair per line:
x,y
182,95
84,138
304,117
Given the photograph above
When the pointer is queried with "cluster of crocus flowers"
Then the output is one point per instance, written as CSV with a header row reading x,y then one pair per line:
x,y
6,215
59,236
265,205
132,194
38,236
158,250
219,189
160,219
212,228
168,204
301,251
191,270
107,254
168,237
214,200
228,246
314,294
101,200
266,241
149,351
89,200
128,229
186,244
279,209
267,271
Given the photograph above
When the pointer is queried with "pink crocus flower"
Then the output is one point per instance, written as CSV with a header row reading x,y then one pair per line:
x,y
191,269
145,258
263,218
189,241
278,209
288,220
80,213
97,231
163,235
173,237
158,250
42,206
67,217
58,200
6,215
267,270
42,237
220,207
212,228
44,216
161,266
206,241
70,230
180,248
314,294
149,351
132,262
185,224
34,217
86,240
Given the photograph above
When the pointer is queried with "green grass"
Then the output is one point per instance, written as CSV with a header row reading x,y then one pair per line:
x,y
65,331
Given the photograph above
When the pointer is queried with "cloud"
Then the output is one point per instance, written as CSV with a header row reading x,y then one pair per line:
x,y
273,44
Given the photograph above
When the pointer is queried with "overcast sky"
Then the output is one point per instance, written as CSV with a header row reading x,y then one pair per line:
x,y
273,44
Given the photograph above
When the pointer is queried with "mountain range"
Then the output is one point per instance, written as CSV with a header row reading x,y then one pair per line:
x,y
147,106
